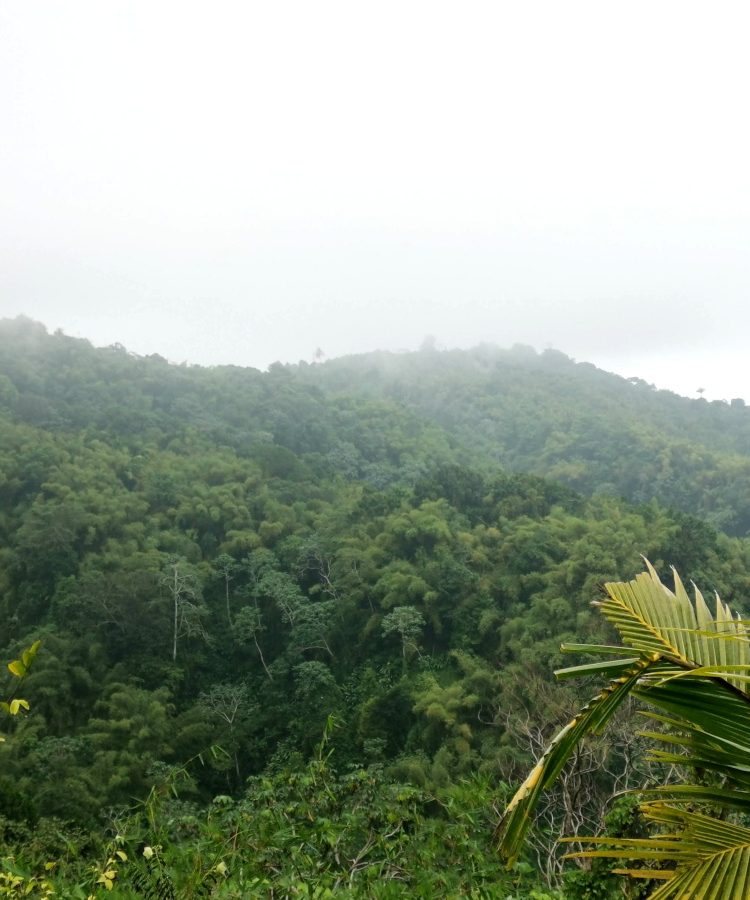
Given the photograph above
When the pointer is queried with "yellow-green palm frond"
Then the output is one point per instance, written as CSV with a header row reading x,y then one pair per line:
x,y
514,825
711,857
653,619
693,670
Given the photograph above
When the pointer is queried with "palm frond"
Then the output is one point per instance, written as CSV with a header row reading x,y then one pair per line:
x,y
609,668
707,795
693,669
653,619
713,718
515,823
711,857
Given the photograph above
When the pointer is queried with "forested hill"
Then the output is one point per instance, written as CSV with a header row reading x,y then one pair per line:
x,y
244,561
590,429
385,418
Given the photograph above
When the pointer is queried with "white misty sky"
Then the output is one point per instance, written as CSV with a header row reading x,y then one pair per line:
x,y
245,182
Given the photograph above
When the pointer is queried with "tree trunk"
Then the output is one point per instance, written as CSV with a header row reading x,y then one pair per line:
x,y
262,660
176,617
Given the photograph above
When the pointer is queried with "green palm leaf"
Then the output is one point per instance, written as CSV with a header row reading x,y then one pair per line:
x,y
593,717
714,715
700,793
693,670
712,857
653,619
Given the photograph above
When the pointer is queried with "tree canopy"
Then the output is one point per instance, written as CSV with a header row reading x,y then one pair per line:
x,y
218,561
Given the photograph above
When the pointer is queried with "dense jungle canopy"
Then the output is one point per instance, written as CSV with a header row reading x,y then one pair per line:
x,y
297,627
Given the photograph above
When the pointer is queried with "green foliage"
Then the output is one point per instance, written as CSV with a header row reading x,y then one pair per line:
x,y
18,669
309,831
693,666
407,622
224,555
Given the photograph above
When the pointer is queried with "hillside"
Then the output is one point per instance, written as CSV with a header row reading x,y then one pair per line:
x,y
574,423
385,417
218,561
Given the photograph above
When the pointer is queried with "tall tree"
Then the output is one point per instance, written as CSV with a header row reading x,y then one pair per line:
x,y
188,612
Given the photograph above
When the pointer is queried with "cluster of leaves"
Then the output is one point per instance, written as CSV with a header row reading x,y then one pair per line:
x,y
18,669
305,831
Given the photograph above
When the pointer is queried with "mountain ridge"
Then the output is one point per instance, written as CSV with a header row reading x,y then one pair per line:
x,y
541,413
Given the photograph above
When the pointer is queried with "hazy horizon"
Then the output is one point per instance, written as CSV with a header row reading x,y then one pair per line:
x,y
320,356
248,183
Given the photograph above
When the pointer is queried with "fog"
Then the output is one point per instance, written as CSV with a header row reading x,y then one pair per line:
x,y
246,182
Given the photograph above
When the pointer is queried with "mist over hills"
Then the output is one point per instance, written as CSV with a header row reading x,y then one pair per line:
x,y
525,411
383,552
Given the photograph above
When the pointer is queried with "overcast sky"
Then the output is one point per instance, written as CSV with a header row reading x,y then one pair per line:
x,y
245,182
